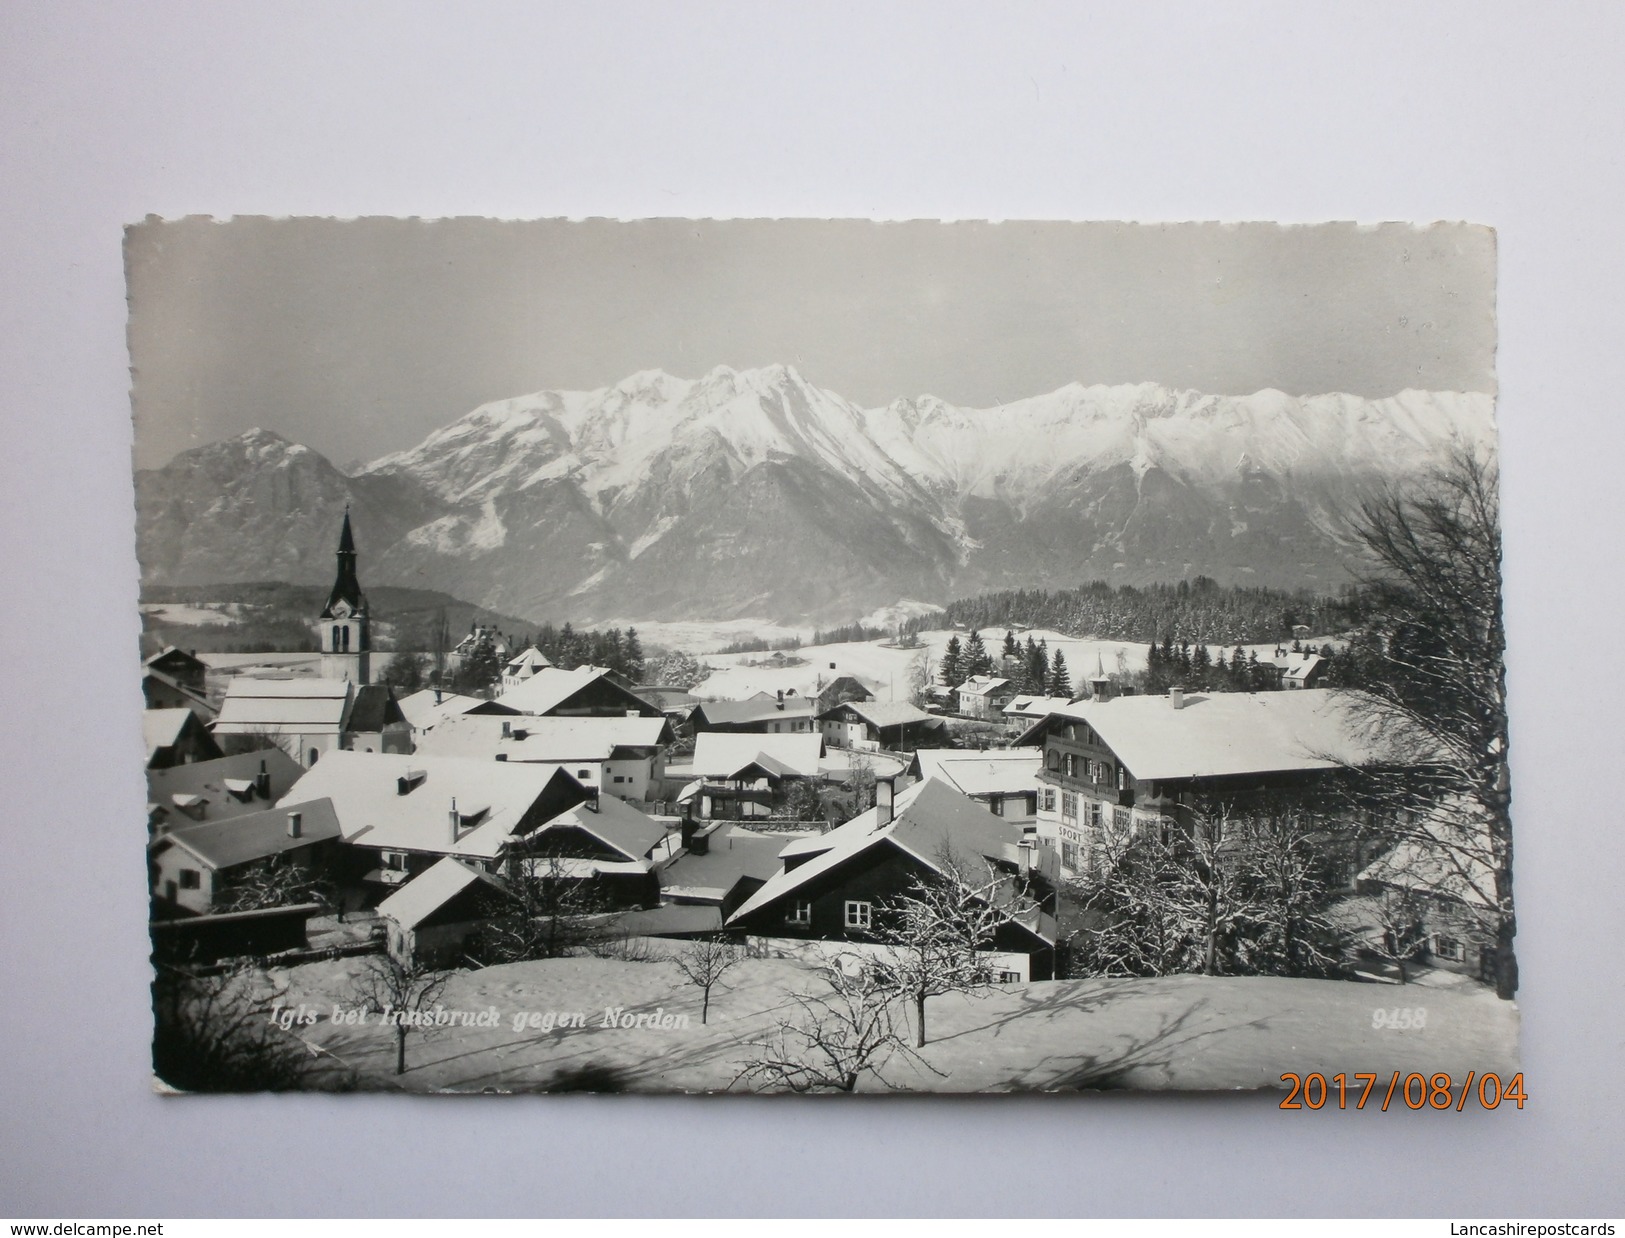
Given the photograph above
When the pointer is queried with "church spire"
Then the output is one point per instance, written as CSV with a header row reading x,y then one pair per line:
x,y
346,585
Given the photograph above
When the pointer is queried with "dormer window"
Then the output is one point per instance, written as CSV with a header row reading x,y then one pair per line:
x,y
410,781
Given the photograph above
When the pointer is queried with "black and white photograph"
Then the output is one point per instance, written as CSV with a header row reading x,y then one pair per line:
x,y
822,656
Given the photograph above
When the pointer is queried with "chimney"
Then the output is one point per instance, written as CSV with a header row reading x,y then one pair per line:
x,y
296,825
781,698
688,825
1176,697
456,821
262,783
592,799
699,842
437,696
832,666
507,729
885,795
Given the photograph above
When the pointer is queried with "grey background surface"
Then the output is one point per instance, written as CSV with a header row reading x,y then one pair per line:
x,y
1502,113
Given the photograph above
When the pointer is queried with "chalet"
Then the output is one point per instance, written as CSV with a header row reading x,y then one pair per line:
x,y
192,867
600,840
841,688
481,634
624,757
400,814
835,886
1443,876
176,737
879,724
718,866
219,789
180,667
518,669
760,715
175,679
1301,670
1142,761
430,919
744,776
585,692
985,696
308,718
1004,781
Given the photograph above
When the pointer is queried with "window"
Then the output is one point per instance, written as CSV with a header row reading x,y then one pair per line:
x,y
618,778
313,755
1446,948
800,913
1069,855
395,861
1054,759
1069,804
1049,799
1029,804
1094,813
995,805
1071,765
857,915
583,773
1009,977
191,879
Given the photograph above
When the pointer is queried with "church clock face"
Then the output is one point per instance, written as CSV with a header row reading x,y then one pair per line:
x,y
341,610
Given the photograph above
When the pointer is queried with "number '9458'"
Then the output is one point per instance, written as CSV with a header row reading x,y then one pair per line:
x,y
1400,1018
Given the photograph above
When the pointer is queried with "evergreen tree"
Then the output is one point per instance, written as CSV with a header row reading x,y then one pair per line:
x,y
1060,683
1037,667
1201,667
632,655
952,666
977,659
1011,649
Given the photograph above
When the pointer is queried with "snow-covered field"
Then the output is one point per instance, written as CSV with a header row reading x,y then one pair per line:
x,y
885,669
1173,1032
219,614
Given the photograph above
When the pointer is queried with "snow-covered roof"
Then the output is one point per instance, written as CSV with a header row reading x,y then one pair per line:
x,y
730,855
996,772
929,819
721,754
1035,706
981,685
432,889
1448,854
756,709
212,782
364,788
1301,666
531,659
161,728
1227,733
276,706
556,740
613,822
883,713
424,712
549,688
254,836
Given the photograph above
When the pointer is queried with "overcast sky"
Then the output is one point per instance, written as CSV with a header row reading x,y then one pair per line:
x,y
360,337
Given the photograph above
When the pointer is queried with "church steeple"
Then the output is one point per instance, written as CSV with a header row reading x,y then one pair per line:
x,y
346,585
342,625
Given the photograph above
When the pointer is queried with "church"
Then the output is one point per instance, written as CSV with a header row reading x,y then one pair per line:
x,y
342,627
340,709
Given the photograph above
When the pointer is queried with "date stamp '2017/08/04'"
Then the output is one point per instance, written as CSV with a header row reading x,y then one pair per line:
x,y
1416,1090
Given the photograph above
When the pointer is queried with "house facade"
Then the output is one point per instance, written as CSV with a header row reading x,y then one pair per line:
x,y
984,697
838,887
876,724
1114,767
193,866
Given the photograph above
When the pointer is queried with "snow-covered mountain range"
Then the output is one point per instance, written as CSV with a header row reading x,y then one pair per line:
x,y
754,493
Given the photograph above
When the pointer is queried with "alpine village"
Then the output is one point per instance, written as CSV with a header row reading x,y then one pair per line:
x,y
1034,840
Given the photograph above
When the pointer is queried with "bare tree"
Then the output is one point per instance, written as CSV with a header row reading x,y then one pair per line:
x,y
1399,939
833,1039
275,881
919,678
937,933
547,913
400,992
1437,685
703,964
